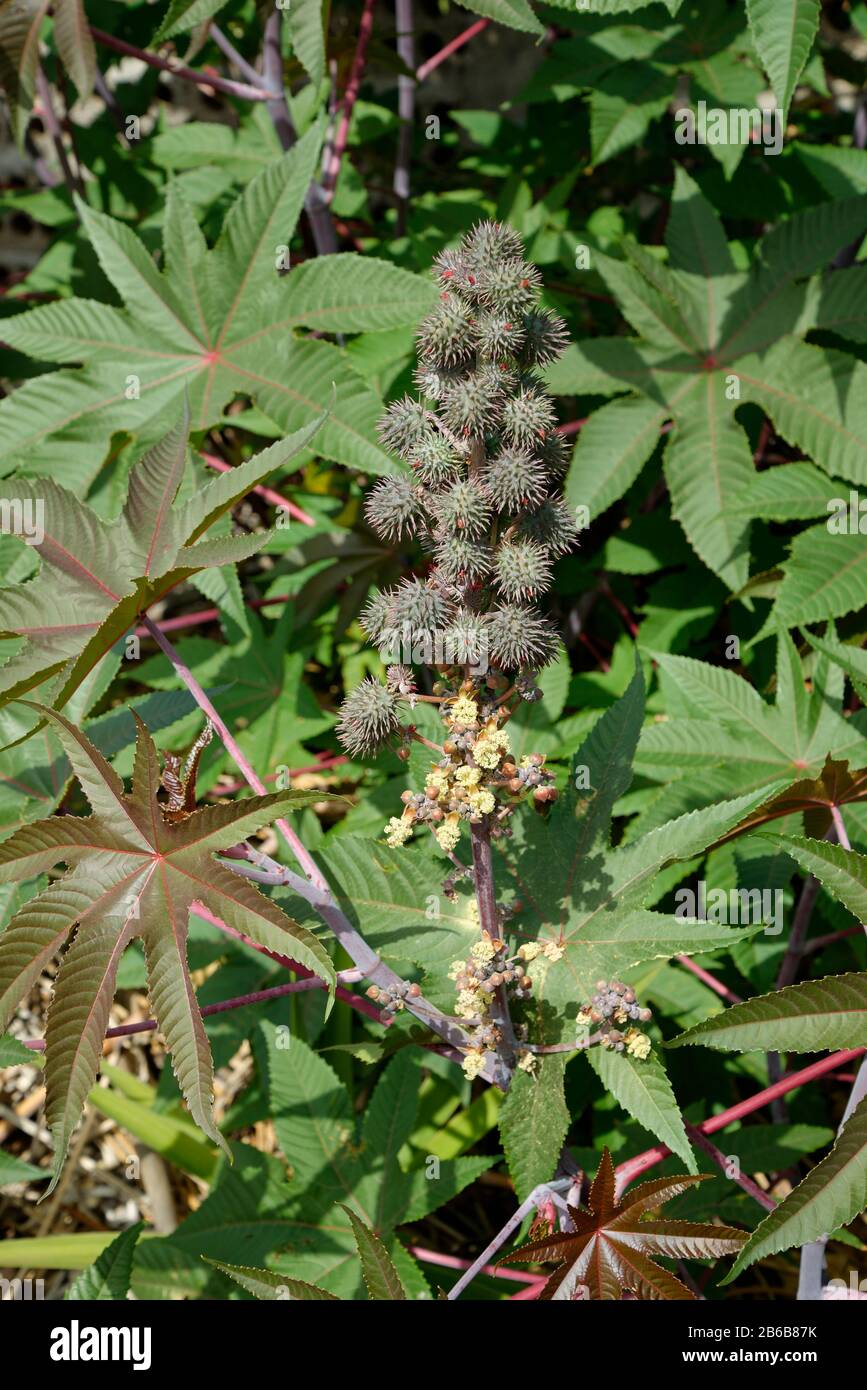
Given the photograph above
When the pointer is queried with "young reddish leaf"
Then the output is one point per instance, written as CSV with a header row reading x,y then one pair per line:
x,y
135,868
611,1247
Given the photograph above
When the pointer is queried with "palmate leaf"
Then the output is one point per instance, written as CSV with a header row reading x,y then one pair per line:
x,y
215,323
612,1246
131,872
829,1013
589,899
710,707
712,338
97,576
832,1194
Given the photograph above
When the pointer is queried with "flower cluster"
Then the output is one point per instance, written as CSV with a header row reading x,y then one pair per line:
x,y
615,1003
483,459
476,776
476,979
393,999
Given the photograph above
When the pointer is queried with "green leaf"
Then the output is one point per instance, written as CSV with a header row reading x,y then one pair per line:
x,y
708,464
842,871
533,1123
380,1276
306,34
108,1279
810,1017
825,576
184,15
96,577
15,1170
611,451
75,44
642,1087
832,1194
357,294
783,31
271,1287
515,14
218,323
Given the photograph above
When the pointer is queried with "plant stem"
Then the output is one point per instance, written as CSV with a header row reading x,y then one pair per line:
x,y
634,1167
237,59
483,877
260,996
702,1142
321,225
275,498
403,14
241,90
52,125
451,47
708,979
365,29
813,1255
546,1191
314,888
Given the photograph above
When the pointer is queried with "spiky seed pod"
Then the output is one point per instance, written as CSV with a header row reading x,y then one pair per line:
x,y
404,426
515,480
496,335
527,416
400,680
462,560
554,452
552,526
435,461
393,510
418,608
434,381
466,639
374,617
545,337
463,508
522,570
491,241
509,286
446,335
520,636
472,404
368,717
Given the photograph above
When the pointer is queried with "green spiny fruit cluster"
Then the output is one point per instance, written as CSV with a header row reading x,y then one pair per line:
x,y
480,492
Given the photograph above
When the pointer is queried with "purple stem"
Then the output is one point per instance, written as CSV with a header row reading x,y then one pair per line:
x,y
53,126
261,996
241,90
702,1142
405,107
